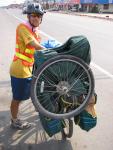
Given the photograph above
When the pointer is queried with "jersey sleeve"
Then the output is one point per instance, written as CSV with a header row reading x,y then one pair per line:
x,y
25,35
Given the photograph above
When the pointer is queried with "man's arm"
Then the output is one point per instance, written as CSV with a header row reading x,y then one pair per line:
x,y
28,38
36,45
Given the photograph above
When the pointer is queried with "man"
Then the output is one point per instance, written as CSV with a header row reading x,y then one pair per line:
x,y
27,41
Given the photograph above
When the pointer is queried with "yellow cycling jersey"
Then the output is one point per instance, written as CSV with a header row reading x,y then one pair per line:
x,y
17,69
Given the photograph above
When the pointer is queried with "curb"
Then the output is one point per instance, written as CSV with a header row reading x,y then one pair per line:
x,y
86,15
99,17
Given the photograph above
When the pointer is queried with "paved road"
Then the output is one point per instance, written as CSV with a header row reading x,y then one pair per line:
x,y
101,38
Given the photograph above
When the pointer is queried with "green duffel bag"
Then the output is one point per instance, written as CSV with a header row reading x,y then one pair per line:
x,y
76,46
42,56
51,126
87,119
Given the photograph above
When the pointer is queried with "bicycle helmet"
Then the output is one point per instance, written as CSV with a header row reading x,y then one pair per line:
x,y
34,8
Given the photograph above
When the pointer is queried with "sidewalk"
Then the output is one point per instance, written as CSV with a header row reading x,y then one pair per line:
x,y
106,16
97,15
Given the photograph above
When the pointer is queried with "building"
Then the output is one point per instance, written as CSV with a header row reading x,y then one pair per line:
x,y
101,6
105,6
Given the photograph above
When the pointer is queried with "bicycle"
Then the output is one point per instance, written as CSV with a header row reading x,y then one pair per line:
x,y
61,88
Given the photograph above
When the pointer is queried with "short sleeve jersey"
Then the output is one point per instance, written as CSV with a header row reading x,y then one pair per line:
x,y
17,69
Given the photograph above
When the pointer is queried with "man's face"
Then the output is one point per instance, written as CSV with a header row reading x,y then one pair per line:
x,y
35,19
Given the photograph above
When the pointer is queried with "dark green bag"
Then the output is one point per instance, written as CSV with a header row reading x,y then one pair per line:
x,y
85,121
76,46
51,126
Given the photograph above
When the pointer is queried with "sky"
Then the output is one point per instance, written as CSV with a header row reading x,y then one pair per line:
x,y
7,2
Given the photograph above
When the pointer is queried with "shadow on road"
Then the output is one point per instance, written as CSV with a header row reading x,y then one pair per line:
x,y
49,145
33,138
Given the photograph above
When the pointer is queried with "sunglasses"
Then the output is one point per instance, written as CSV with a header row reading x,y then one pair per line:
x,y
36,15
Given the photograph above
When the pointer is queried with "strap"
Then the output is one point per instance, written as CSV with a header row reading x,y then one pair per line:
x,y
29,51
23,57
30,31
16,45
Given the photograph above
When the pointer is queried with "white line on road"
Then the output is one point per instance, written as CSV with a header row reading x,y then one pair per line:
x,y
102,70
92,63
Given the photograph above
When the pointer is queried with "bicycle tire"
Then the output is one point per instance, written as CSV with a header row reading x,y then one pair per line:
x,y
45,66
69,128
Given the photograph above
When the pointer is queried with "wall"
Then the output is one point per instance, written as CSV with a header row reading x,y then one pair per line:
x,y
109,10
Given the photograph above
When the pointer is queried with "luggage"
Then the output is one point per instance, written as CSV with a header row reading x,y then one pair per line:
x,y
87,119
51,126
50,43
77,46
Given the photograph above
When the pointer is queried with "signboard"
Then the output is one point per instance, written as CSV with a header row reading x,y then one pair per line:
x,y
86,1
96,1
103,1
74,1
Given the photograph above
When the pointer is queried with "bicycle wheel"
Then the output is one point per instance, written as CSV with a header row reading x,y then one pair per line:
x,y
67,132
66,79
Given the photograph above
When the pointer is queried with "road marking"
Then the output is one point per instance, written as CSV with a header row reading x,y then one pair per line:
x,y
50,37
102,70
